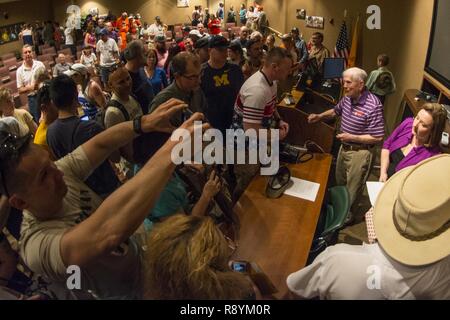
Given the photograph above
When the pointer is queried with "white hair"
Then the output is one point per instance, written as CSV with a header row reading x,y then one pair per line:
x,y
38,73
356,74
256,35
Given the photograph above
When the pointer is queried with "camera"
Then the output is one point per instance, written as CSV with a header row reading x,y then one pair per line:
x,y
180,117
186,114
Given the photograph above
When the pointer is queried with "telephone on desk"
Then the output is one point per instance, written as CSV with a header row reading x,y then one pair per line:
x,y
289,99
426,96
327,84
330,89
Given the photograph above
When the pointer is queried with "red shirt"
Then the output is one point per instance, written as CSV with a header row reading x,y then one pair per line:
x,y
181,45
214,26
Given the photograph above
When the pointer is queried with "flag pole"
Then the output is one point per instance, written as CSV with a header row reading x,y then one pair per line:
x,y
354,46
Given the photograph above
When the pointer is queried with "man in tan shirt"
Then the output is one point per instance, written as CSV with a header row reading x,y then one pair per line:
x,y
66,224
317,50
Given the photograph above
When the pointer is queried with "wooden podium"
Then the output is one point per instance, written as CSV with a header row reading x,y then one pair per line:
x,y
300,130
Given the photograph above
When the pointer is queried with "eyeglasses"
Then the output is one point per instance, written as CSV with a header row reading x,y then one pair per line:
x,y
193,77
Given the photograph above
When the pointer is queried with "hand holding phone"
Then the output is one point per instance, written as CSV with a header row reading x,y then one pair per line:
x,y
259,278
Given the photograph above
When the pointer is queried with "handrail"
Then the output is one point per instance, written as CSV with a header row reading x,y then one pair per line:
x,y
278,33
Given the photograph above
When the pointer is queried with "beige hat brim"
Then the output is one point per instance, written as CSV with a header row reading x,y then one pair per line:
x,y
409,252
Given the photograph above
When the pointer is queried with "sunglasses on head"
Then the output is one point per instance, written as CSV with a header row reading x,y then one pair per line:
x,y
10,146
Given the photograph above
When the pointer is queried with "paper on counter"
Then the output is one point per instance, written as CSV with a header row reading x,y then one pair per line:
x,y
373,189
303,189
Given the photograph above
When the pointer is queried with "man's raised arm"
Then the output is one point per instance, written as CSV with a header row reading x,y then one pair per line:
x,y
124,210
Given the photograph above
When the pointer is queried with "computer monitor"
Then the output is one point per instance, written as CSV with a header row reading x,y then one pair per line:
x,y
333,68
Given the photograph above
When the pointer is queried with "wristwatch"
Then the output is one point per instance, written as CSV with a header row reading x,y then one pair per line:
x,y
137,125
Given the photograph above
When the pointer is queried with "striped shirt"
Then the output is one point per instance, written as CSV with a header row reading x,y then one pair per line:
x,y
363,117
256,101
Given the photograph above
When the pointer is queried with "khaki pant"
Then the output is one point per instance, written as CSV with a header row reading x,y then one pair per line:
x,y
352,170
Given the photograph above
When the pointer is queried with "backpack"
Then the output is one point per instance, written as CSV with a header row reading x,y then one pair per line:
x,y
121,107
231,17
100,115
384,81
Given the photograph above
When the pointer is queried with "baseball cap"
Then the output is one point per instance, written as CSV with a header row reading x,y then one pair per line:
x,y
104,32
11,125
160,38
201,43
195,32
235,45
250,42
77,68
11,145
218,41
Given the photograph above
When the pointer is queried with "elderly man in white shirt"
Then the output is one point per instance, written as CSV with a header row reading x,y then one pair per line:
x,y
25,76
157,28
412,257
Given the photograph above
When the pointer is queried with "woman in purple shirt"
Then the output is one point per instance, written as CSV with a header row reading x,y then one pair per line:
x,y
413,140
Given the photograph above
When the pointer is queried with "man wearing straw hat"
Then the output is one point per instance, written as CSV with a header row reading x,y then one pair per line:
x,y
412,257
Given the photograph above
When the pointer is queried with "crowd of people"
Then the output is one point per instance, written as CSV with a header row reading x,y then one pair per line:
x,y
86,194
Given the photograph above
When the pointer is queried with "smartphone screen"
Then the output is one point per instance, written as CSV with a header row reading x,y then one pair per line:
x,y
239,266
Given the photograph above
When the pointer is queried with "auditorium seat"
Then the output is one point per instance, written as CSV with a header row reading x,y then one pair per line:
x,y
7,56
10,62
230,25
13,76
65,52
50,50
11,85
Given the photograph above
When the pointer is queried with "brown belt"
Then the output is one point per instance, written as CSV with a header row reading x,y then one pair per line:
x,y
356,147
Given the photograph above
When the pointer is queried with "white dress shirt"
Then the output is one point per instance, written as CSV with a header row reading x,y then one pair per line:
x,y
365,272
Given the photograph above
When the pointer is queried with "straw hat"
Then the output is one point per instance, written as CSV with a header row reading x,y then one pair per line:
x,y
412,213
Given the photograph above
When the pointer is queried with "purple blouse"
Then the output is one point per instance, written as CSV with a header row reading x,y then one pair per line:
x,y
401,136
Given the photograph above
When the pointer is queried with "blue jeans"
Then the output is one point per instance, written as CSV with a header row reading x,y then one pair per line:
x,y
104,73
33,107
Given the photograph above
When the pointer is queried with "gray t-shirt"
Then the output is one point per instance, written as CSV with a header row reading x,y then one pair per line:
x,y
114,275
196,100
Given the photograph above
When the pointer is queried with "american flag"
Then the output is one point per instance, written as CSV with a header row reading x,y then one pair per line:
x,y
341,48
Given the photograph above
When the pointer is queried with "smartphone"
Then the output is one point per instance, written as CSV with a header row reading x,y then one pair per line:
x,y
240,266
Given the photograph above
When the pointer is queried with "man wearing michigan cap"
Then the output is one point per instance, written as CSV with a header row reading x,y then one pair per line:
x,y
220,83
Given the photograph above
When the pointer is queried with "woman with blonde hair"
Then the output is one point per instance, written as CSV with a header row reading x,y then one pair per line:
x,y
187,258
414,140
7,109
